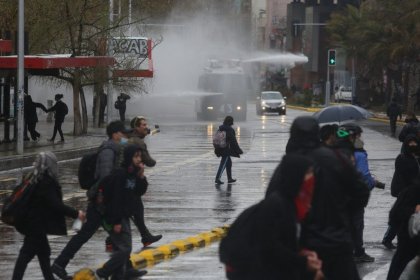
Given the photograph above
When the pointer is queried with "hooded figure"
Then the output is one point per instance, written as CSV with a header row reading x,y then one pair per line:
x,y
262,243
45,215
406,166
339,193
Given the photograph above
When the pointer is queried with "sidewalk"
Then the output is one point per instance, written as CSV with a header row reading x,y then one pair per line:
x,y
73,147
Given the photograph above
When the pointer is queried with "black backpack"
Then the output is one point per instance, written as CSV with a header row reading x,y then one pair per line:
x,y
15,207
86,172
87,168
118,104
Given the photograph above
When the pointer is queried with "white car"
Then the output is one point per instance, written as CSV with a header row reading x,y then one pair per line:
x,y
271,101
343,94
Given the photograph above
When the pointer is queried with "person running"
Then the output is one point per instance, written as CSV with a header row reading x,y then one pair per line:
x,y
140,131
31,117
393,111
61,110
120,192
108,159
46,215
263,242
339,193
232,150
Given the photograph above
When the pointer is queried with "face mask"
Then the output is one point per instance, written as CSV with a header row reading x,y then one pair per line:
x,y
304,198
123,141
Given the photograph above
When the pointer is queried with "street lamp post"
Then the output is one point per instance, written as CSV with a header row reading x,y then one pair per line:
x,y
21,77
109,92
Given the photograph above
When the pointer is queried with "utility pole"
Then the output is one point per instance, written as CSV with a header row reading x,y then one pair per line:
x,y
331,63
21,77
109,92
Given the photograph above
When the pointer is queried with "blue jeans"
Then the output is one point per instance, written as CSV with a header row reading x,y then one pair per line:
x,y
225,163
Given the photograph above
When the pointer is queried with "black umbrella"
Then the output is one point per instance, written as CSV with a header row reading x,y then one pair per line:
x,y
341,113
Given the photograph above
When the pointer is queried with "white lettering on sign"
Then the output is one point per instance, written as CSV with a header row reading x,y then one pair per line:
x,y
133,46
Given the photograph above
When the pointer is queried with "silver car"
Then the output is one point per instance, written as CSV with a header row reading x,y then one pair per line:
x,y
271,101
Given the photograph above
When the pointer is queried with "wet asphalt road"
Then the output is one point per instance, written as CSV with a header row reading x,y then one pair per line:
x,y
182,199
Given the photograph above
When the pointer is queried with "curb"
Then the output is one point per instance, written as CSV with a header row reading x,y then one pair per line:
x,y
151,257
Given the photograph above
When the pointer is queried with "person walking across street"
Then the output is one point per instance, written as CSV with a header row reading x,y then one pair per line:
x,y
231,150
407,203
46,215
407,169
107,160
263,242
31,117
339,192
121,106
120,190
393,112
140,131
60,110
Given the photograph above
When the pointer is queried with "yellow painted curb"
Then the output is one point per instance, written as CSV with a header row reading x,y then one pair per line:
x,y
168,250
197,241
152,256
183,245
208,236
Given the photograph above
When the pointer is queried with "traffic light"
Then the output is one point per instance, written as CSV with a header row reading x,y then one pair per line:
x,y
331,58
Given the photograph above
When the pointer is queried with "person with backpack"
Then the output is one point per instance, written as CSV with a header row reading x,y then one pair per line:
x,y
120,190
393,111
140,131
231,149
107,160
121,106
263,242
45,214
61,110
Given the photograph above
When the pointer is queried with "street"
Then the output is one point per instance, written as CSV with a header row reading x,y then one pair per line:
x,y
182,199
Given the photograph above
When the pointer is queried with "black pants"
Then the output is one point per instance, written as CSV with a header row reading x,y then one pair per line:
x,y
57,127
138,219
393,125
34,245
120,257
122,114
357,226
32,130
93,222
389,234
225,163
339,266
406,251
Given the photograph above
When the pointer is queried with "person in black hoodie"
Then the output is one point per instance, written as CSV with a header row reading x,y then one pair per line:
x,y
61,110
262,243
407,203
232,149
339,192
120,190
31,118
407,169
393,111
411,126
46,215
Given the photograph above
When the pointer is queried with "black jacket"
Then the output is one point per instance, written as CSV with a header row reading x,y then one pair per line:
x,y
232,148
60,109
262,243
393,110
30,114
407,168
120,199
411,127
46,212
339,191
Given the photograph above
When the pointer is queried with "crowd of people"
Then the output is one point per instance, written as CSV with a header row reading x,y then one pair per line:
x,y
310,223
113,200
